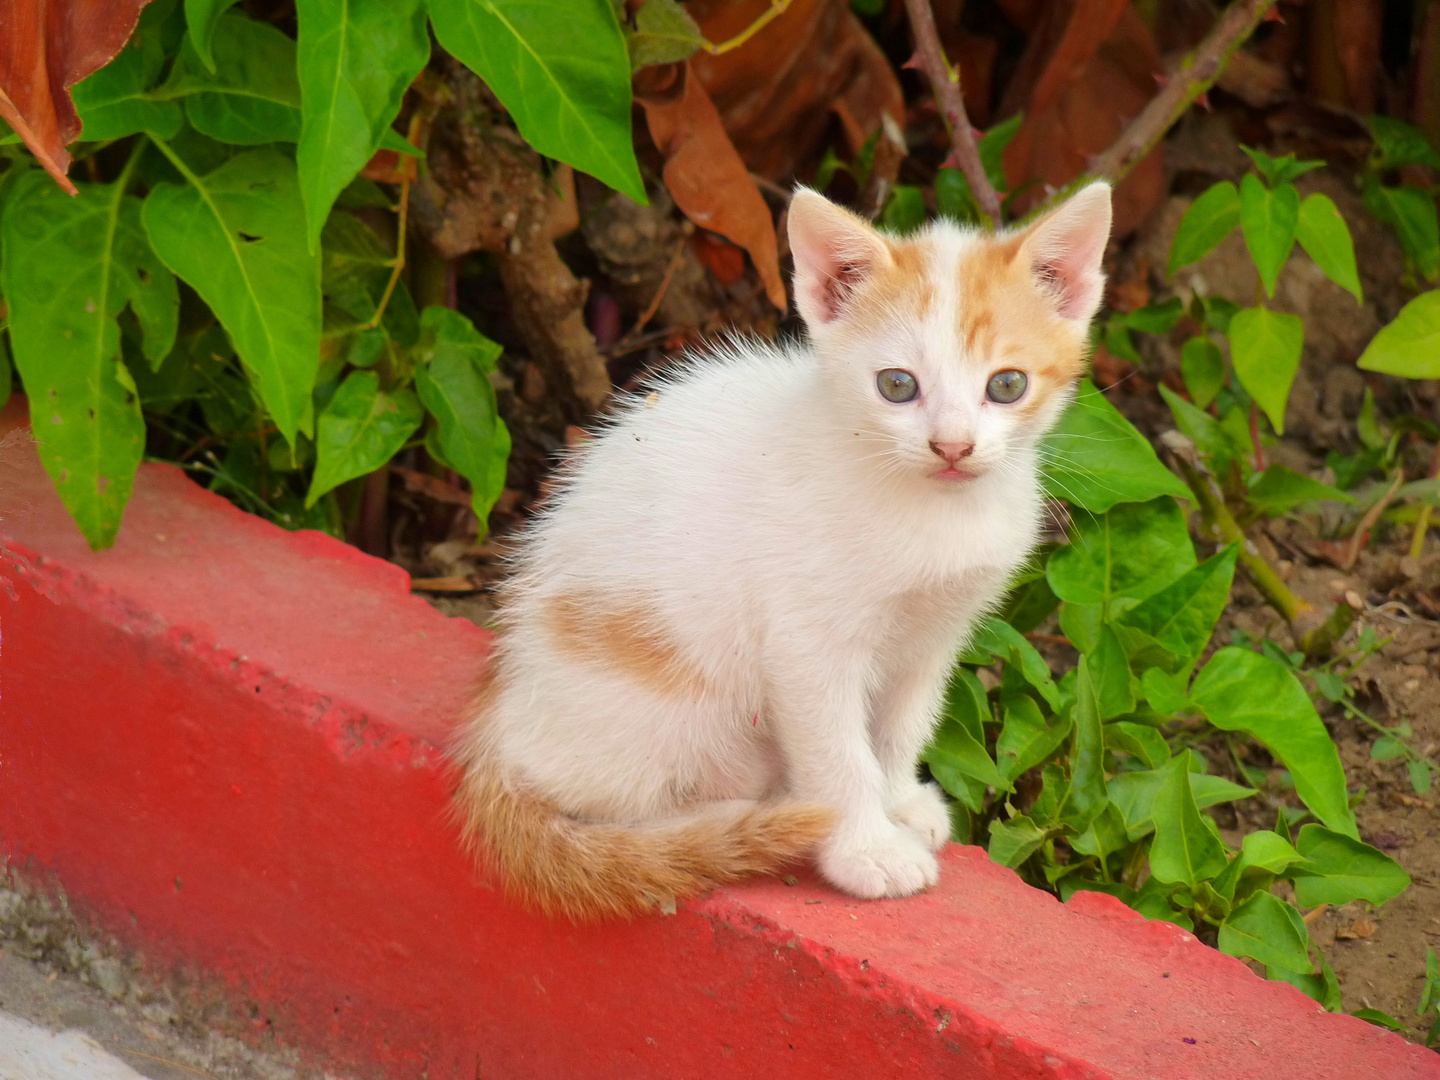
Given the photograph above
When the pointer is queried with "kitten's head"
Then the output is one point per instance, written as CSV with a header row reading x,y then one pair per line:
x,y
952,348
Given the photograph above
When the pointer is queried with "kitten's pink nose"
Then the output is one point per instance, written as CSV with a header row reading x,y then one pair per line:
x,y
953,451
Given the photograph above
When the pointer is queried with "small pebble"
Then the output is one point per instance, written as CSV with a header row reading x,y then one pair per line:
x,y
1412,684
1410,566
1354,599
791,880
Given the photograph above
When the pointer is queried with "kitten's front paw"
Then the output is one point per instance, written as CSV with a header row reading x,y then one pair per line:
x,y
891,863
925,814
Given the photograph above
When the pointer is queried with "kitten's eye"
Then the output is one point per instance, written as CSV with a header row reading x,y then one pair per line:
x,y
1006,387
897,385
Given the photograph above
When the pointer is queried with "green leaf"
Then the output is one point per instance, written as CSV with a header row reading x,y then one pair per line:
x,y
1267,929
1398,144
953,198
1133,551
355,59
1025,740
1239,690
1140,741
1268,219
1134,793
1094,458
1346,870
1182,616
1184,849
1410,212
1202,366
1156,318
360,430
994,637
202,17
1431,992
1014,841
1269,851
1387,748
237,236
252,96
1207,433
1409,346
904,210
454,383
664,33
1420,776
1209,220
1111,673
1323,234
1324,987
1163,691
112,102
1279,490
1379,1019
1104,836
564,80
1086,796
1265,349
71,266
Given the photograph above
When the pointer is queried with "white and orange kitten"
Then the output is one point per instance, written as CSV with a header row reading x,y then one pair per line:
x,y
728,635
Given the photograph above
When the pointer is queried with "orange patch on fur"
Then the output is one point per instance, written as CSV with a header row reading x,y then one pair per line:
x,y
624,638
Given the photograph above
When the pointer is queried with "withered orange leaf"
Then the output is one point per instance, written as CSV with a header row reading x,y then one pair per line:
x,y
1089,68
703,171
46,47
777,93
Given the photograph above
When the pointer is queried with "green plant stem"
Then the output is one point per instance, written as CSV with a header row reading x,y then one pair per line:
x,y
1196,74
1217,514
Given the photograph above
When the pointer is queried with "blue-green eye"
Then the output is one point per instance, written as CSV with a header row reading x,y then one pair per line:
x,y
897,385
1006,387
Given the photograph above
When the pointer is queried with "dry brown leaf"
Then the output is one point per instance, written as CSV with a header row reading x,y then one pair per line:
x,y
46,47
1089,68
391,167
1360,928
703,171
777,92
444,584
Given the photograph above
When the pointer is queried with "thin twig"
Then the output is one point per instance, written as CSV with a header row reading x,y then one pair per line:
x,y
945,84
1361,536
776,9
649,314
398,263
1196,74
1255,437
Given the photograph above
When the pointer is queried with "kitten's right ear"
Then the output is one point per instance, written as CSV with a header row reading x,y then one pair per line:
x,y
834,250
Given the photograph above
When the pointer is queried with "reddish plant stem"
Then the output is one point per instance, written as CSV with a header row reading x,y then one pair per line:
x,y
952,106
1255,437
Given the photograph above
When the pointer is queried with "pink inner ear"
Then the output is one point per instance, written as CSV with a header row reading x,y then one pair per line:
x,y
834,251
1066,249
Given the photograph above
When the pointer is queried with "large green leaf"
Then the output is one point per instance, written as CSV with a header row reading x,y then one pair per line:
x,y
1184,848
1410,211
1094,458
564,77
1409,346
1014,841
1209,220
360,430
1323,234
1086,796
994,637
1279,490
1239,690
202,17
1267,218
355,57
1265,348
1182,616
454,383
112,103
1203,368
1209,437
1267,929
237,236
252,96
1134,794
1345,870
1398,144
1133,551
664,33
71,266
956,755
1026,740
1110,671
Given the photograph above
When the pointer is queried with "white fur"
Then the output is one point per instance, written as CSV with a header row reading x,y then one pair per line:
x,y
779,519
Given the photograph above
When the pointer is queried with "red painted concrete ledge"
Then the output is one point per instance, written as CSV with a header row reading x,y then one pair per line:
x,y
219,739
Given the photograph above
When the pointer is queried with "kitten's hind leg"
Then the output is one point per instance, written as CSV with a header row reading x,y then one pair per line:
x,y
820,719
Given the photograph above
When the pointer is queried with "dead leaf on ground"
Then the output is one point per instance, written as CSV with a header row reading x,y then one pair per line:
x,y
1360,928
703,171
444,585
1090,67
777,92
46,47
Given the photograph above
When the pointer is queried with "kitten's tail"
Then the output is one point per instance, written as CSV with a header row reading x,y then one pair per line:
x,y
553,862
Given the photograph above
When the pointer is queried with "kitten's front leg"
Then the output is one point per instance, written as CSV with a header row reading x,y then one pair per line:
x,y
820,718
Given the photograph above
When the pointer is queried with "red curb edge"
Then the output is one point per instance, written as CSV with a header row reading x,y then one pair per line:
x,y
218,739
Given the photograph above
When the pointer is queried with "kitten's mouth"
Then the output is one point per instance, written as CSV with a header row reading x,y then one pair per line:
x,y
951,475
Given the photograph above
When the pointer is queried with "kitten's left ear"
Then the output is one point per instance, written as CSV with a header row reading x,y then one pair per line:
x,y
1065,248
